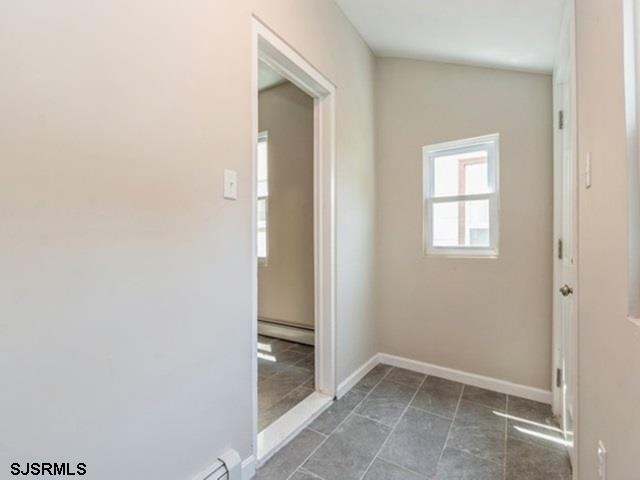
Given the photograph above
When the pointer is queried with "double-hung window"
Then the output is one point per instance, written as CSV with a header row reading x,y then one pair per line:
x,y
263,195
462,197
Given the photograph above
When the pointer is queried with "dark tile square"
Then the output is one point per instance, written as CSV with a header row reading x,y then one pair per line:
x,y
458,465
526,461
349,451
417,442
485,397
479,431
405,377
372,378
289,458
329,420
439,398
381,470
387,402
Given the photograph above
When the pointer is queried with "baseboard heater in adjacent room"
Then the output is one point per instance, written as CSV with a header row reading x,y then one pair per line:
x,y
286,331
227,467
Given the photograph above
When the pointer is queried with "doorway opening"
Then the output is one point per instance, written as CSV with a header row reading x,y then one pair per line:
x,y
286,324
294,242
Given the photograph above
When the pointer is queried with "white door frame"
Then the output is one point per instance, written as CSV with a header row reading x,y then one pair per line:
x,y
565,91
268,47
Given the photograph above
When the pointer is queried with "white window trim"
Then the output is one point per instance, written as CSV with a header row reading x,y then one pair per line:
x,y
429,153
264,261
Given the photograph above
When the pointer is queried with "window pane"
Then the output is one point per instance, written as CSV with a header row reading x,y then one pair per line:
x,y
262,228
263,172
461,224
262,244
461,174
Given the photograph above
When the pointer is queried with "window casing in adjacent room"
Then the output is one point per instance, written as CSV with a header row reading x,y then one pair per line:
x,y
263,197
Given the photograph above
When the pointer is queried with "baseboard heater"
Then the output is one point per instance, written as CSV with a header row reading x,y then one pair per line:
x,y
276,329
227,467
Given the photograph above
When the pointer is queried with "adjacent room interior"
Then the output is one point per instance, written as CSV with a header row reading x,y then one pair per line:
x,y
285,246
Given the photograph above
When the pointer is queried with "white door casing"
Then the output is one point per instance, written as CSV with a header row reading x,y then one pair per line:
x,y
269,48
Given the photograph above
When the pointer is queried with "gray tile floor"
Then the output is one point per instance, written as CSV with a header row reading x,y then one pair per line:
x,y
285,377
400,425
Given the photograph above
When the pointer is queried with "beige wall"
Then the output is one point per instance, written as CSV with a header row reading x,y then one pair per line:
x,y
122,265
486,316
609,345
286,280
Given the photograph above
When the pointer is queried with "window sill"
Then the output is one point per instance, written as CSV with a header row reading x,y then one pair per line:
x,y
461,253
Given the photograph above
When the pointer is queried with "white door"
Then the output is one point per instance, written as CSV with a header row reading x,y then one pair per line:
x,y
566,377
566,252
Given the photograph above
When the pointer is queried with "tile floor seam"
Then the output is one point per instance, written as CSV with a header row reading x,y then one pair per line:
x,y
279,399
292,391
353,410
474,456
486,406
303,359
393,428
372,419
524,440
316,431
272,405
446,440
405,384
400,383
276,373
309,472
326,439
464,451
448,419
401,467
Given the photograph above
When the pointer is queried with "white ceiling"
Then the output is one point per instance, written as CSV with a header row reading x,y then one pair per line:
x,y
267,77
511,34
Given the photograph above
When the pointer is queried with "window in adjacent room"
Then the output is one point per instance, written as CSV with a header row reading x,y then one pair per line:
x,y
461,197
263,195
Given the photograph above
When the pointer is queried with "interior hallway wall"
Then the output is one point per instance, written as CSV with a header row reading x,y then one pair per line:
x,y
485,316
286,279
608,343
126,278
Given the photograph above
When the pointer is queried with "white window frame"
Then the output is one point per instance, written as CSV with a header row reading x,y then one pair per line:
x,y
488,143
264,137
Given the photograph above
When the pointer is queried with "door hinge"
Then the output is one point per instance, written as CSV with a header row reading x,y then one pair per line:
x,y
561,119
560,249
558,377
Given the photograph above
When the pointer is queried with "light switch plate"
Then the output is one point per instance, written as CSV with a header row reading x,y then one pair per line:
x,y
230,184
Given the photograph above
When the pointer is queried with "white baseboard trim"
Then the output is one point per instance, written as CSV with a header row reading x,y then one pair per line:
x,y
476,380
356,376
286,332
249,468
